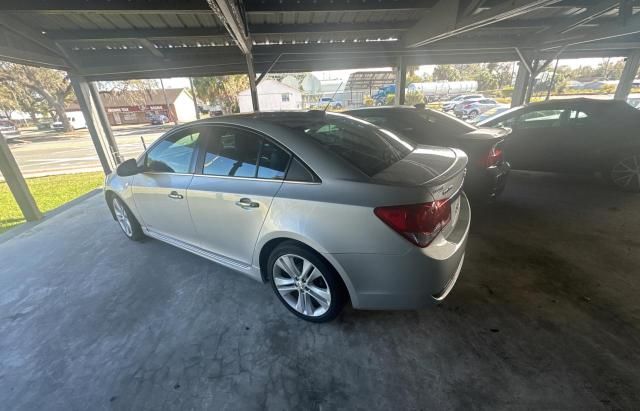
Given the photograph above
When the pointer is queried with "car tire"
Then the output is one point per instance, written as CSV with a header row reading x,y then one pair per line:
x,y
338,106
305,283
472,114
624,171
126,220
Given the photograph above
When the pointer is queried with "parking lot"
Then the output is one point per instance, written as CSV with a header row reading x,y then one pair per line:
x,y
545,315
50,152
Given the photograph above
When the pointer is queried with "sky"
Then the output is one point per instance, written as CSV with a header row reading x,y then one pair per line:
x,y
180,82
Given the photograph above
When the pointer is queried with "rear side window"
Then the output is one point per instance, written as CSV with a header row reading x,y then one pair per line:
x,y
299,172
235,152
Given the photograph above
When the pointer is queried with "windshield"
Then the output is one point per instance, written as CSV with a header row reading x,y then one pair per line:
x,y
361,144
504,114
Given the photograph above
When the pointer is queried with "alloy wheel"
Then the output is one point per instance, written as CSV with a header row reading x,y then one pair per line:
x,y
301,285
626,173
122,217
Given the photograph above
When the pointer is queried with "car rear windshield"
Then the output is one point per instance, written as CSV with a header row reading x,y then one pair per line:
x,y
444,123
368,148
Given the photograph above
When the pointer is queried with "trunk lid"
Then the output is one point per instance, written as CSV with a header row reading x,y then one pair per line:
x,y
439,168
484,134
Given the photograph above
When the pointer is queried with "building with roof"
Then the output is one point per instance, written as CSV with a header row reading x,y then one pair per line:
x,y
272,96
138,107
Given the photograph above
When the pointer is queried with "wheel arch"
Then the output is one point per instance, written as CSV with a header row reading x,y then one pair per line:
x,y
269,245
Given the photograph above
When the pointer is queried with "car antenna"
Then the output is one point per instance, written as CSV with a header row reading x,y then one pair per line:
x,y
334,94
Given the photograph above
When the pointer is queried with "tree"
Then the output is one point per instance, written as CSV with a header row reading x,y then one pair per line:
x,y
52,86
135,92
8,103
222,90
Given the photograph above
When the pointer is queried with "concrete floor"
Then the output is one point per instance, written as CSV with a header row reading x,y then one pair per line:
x,y
546,314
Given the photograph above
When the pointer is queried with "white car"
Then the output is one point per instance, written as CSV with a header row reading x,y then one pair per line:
x,y
8,129
451,104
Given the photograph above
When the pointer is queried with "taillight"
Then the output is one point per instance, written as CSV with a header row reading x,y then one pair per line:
x,y
418,223
494,157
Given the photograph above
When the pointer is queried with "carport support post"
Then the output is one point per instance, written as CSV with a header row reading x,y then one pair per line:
x,y
521,85
104,120
92,118
17,185
252,82
401,81
628,75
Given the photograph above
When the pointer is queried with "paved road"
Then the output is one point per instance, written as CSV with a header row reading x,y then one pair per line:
x,y
47,153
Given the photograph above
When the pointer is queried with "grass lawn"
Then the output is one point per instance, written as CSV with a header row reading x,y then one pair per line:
x,y
49,192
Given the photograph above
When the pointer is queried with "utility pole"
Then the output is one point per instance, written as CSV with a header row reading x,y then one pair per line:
x,y
195,99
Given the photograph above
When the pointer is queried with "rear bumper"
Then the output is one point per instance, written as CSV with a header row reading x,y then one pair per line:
x,y
487,182
416,279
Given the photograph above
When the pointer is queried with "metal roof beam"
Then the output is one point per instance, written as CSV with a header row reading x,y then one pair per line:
x,y
112,34
587,16
26,32
119,6
233,18
335,5
32,58
174,33
603,32
442,23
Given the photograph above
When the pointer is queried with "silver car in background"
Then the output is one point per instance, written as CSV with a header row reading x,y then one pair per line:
x,y
325,207
473,108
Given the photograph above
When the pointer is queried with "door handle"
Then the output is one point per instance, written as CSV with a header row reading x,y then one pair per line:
x,y
247,203
175,195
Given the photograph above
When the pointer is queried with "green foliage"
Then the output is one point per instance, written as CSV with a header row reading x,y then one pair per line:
x,y
413,98
49,192
37,85
221,90
490,76
368,101
507,92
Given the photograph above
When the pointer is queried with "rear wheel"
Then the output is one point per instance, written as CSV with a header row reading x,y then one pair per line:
x,y
305,283
473,114
127,222
624,171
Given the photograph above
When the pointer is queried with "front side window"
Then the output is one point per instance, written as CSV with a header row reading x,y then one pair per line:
x,y
235,152
174,154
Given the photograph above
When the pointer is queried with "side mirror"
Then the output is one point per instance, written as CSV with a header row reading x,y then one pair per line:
x,y
128,168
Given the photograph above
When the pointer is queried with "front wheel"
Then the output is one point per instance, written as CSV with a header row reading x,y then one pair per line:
x,y
126,220
472,115
305,284
624,172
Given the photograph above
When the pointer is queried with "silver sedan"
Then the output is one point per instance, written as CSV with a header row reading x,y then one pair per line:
x,y
325,207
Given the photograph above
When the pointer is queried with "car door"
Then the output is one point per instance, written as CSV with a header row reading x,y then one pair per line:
x,y
238,174
535,132
577,146
160,192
